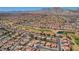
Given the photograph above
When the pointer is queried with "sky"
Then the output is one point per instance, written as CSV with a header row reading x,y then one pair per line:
x,y
20,8
7,9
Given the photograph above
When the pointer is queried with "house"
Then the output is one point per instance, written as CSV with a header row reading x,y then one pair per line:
x,y
54,45
65,48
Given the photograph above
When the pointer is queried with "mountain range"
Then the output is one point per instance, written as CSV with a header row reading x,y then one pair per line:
x,y
49,10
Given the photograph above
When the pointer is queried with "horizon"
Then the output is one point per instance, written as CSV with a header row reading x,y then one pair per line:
x,y
9,9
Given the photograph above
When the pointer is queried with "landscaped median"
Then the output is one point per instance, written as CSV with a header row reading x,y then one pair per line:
x,y
36,30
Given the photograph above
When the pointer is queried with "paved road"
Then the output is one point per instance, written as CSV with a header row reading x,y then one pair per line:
x,y
46,49
59,44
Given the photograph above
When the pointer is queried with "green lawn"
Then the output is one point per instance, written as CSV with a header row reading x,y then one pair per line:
x,y
76,37
77,40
